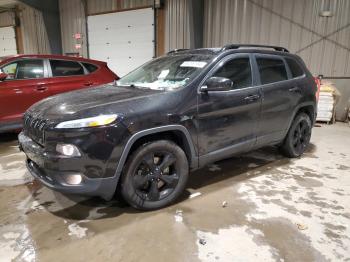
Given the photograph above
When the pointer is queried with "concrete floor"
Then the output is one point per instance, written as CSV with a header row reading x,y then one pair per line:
x,y
276,209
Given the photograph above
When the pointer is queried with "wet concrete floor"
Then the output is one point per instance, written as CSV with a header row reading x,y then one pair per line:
x,y
257,207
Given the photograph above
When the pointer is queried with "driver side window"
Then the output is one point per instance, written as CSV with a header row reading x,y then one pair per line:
x,y
10,70
238,70
24,69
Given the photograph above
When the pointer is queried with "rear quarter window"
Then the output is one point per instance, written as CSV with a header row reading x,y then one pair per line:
x,y
66,68
90,67
271,70
294,67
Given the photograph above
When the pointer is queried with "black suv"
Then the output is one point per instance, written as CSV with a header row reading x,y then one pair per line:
x,y
142,135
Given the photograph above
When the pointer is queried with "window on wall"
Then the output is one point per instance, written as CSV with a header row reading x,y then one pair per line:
x,y
238,70
24,69
294,67
271,70
66,68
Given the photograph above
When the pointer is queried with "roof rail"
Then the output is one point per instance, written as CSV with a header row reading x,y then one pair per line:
x,y
236,46
176,50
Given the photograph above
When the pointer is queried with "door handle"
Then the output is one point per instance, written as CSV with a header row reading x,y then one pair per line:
x,y
88,83
252,98
41,88
295,89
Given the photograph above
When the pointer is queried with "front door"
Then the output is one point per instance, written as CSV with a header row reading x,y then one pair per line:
x,y
25,85
227,120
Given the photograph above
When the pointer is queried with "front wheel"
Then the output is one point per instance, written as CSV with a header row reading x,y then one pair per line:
x,y
298,137
155,175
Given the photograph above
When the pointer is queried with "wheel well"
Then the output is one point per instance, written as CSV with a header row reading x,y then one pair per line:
x,y
309,110
175,136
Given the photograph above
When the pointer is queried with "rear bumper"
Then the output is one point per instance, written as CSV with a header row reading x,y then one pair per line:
x,y
38,160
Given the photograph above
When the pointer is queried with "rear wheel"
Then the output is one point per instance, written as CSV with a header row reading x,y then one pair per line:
x,y
298,137
155,175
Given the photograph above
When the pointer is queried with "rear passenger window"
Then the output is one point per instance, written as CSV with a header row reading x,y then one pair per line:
x,y
294,67
66,68
271,70
238,70
90,67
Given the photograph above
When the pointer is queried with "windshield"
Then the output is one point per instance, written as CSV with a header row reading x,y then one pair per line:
x,y
166,73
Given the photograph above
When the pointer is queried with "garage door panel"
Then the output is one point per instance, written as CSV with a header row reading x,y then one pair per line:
x,y
6,52
123,49
121,19
144,33
8,44
127,68
125,40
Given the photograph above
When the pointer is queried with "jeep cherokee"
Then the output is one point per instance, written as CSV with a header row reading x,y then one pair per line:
x,y
141,136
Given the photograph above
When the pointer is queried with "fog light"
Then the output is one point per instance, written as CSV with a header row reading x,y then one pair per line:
x,y
67,150
73,179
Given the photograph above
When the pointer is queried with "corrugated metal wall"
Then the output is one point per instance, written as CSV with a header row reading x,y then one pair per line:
x,y
177,24
7,19
35,39
323,42
100,6
72,16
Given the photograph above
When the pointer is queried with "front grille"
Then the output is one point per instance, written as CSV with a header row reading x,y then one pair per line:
x,y
34,128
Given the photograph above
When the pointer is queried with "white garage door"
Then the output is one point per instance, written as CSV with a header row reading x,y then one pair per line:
x,y
123,39
7,41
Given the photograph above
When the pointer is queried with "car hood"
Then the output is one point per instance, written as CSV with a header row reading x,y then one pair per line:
x,y
107,99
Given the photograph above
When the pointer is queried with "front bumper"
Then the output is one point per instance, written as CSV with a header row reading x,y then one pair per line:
x,y
39,163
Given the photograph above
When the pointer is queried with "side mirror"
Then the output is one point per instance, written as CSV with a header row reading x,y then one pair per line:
x,y
3,76
217,84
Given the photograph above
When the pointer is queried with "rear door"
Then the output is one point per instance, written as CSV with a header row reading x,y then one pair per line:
x,y
66,76
26,84
227,120
280,96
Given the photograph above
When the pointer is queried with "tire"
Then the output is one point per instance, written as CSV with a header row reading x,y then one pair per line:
x,y
155,175
298,137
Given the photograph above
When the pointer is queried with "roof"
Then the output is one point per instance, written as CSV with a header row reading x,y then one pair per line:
x,y
81,59
233,48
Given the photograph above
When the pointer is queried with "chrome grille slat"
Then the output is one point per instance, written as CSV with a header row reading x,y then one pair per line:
x,y
34,127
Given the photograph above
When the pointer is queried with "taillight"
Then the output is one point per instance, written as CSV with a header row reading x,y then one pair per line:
x,y
318,84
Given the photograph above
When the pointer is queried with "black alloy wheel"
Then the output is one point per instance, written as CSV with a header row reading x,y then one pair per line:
x,y
298,137
301,136
155,175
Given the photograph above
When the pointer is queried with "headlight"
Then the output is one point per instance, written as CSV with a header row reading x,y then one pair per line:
x,y
88,122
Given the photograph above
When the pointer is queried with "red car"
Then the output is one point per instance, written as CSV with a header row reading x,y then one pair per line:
x,y
26,79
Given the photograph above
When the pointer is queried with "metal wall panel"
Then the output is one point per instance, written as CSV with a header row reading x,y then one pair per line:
x,y
35,39
323,42
72,15
7,19
101,6
177,24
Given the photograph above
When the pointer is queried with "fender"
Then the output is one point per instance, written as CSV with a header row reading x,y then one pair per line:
x,y
138,135
297,109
